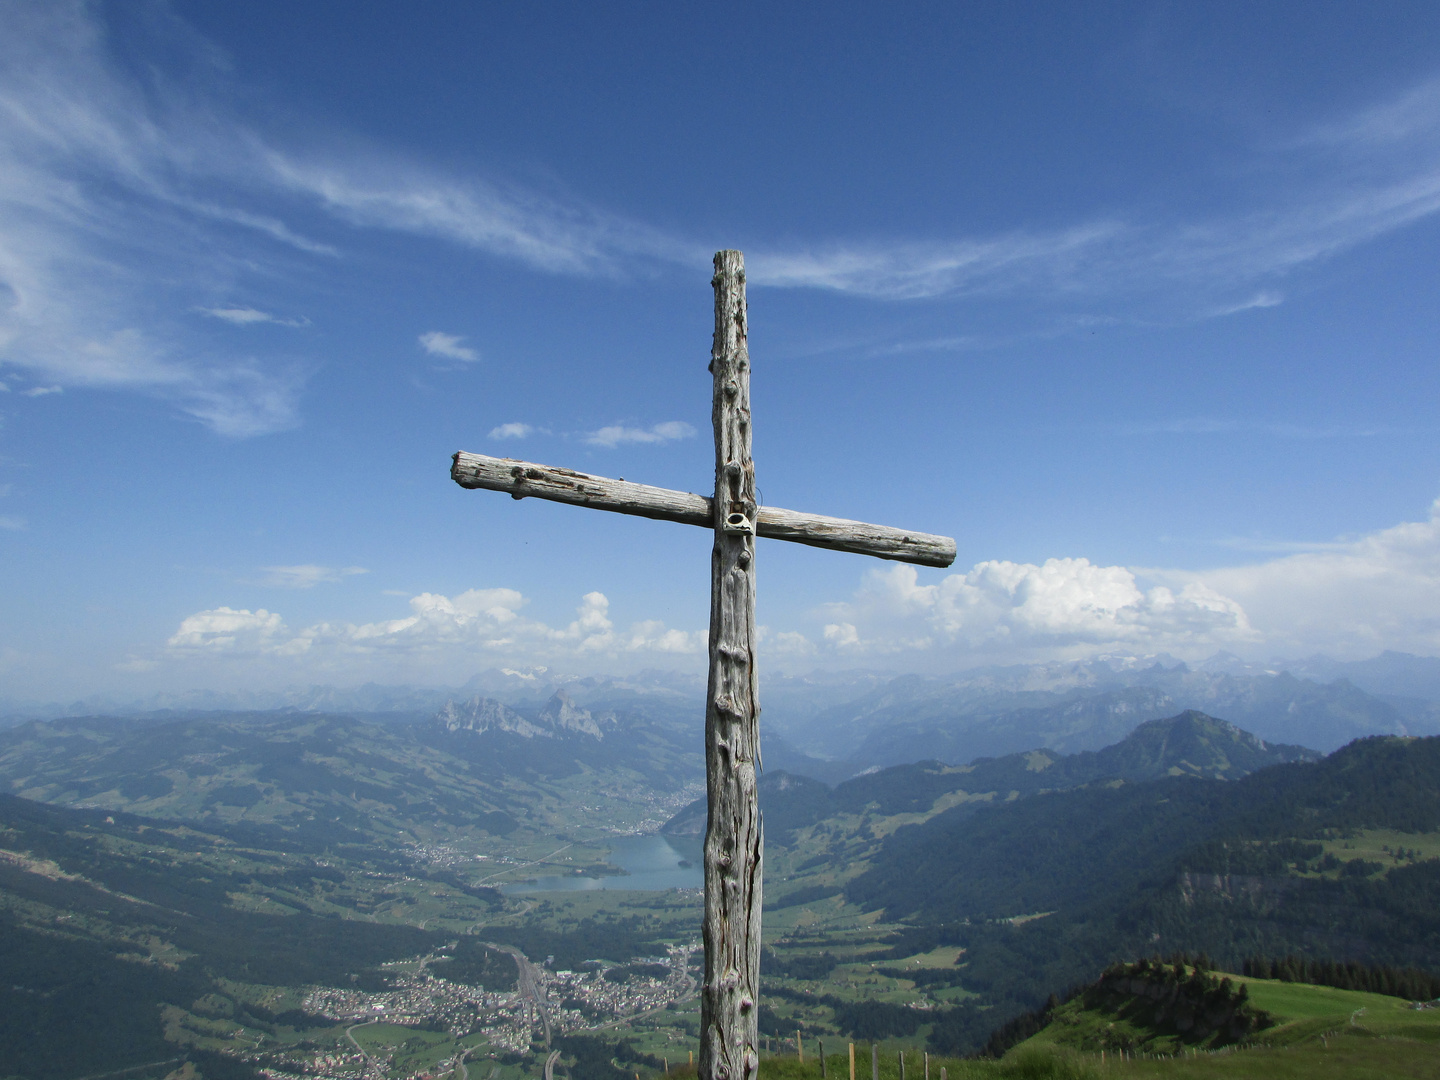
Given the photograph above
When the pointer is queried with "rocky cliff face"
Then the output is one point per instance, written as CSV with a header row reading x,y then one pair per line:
x,y
479,715
562,716
559,718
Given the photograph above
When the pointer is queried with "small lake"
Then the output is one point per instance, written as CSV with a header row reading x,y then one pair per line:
x,y
652,862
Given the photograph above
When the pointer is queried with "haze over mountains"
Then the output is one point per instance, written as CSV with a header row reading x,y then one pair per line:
x,y
1073,707
474,765
831,726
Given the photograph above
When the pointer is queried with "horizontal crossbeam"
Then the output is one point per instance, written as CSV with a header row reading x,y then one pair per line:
x,y
525,479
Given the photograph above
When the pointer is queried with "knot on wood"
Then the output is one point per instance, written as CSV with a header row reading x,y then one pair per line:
x,y
746,1004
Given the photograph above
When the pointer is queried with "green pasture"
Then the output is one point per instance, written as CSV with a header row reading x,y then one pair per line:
x,y
1321,1032
1380,845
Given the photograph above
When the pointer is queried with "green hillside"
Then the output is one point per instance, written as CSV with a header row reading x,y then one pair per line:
x,y
1335,859
1311,1030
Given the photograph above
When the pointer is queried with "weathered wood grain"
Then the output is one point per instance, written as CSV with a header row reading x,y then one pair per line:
x,y
526,479
734,841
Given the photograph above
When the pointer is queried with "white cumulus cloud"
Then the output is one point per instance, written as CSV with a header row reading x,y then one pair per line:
x,y
230,629
511,431
438,343
452,632
1024,610
1348,598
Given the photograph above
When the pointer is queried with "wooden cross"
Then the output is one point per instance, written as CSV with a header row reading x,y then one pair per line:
x,y
729,998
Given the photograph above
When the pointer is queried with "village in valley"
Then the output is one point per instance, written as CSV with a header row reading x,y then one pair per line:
x,y
504,1025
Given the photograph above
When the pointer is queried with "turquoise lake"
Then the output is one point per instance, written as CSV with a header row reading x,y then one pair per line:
x,y
652,863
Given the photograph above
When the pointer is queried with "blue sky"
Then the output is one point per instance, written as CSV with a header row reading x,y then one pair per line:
x,y
1137,301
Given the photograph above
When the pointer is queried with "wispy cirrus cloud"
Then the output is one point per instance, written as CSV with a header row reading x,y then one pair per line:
x,y
121,198
248,316
1343,183
307,576
98,228
618,434
545,232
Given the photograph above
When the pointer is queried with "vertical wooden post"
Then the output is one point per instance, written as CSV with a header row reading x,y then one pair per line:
x,y
874,1061
902,1065
734,843
821,1046
852,1061
799,1046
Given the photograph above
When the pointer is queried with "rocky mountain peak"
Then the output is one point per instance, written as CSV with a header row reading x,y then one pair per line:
x,y
481,714
563,716
559,718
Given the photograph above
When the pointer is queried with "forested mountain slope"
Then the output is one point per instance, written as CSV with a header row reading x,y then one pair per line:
x,y
1073,848
1191,744
1336,859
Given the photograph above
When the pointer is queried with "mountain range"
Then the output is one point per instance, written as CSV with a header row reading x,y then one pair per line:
x,y
1190,744
834,725
1074,707
474,765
